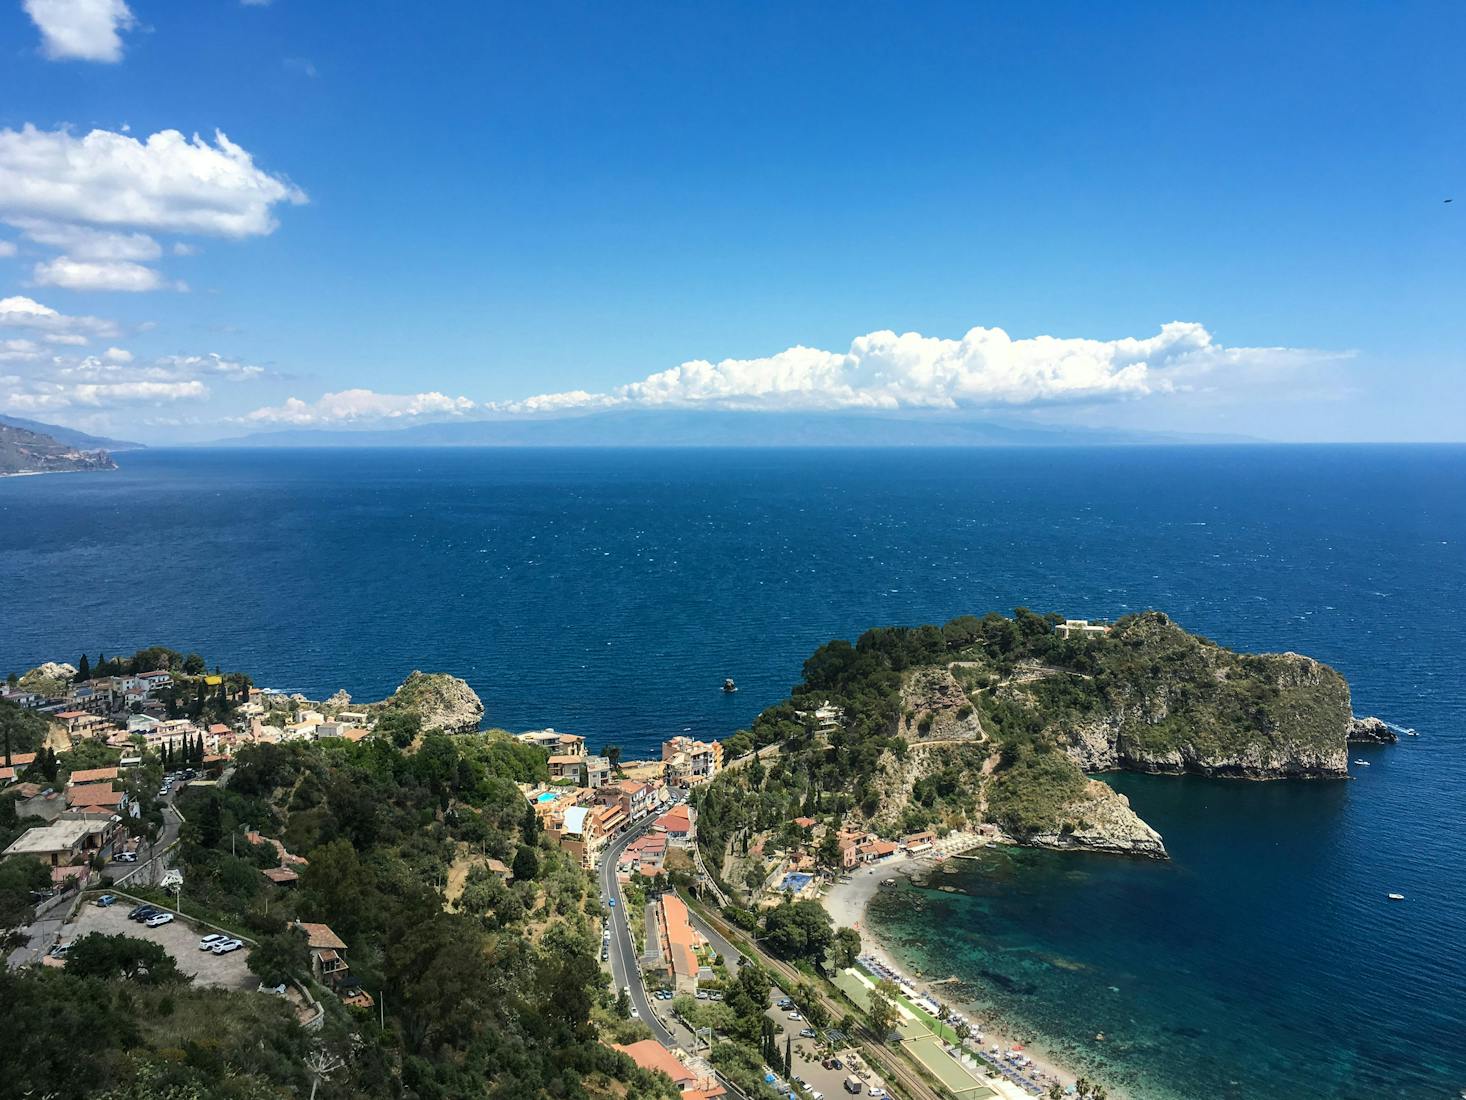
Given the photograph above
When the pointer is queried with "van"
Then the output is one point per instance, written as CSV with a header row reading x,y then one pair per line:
x,y
853,1085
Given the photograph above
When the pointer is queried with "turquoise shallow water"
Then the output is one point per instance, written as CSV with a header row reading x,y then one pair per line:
x,y
610,593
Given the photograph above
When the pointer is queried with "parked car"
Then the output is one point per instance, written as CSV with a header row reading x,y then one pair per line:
x,y
702,994
806,1033
785,1002
127,857
59,951
136,910
853,1085
147,912
208,942
227,946
106,900
795,1016
715,994
157,920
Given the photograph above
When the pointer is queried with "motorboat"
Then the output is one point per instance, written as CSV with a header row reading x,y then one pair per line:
x,y
1395,897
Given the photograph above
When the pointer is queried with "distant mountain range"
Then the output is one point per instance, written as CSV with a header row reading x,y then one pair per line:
x,y
70,436
23,451
706,428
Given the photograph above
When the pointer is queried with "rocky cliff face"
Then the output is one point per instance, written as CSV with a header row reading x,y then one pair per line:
x,y
1175,703
443,702
935,708
1101,820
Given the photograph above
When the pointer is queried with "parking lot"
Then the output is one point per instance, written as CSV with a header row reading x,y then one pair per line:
x,y
179,938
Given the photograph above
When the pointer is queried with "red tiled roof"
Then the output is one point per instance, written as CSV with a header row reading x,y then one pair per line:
x,y
651,1055
93,775
93,794
321,936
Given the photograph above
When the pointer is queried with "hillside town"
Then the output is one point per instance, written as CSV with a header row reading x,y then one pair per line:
x,y
107,838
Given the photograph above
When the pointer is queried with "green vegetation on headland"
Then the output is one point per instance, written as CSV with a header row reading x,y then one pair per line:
x,y
23,451
995,720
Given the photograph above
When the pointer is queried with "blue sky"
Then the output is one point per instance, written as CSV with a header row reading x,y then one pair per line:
x,y
445,209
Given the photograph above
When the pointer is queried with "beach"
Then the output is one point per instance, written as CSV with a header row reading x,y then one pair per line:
x,y
846,902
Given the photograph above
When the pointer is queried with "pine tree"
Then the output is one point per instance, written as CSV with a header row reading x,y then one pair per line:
x,y
83,669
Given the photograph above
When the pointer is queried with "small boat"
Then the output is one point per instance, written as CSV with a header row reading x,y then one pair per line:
x,y
1395,897
1362,763
729,687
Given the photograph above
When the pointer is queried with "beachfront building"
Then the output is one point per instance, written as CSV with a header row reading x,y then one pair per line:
x,y
554,742
690,762
584,771
635,798
1081,628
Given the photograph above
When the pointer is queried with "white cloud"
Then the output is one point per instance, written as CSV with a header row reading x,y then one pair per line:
x,y
82,242
212,364
85,30
20,351
117,355
63,271
7,248
350,406
27,313
167,184
89,197
886,371
57,395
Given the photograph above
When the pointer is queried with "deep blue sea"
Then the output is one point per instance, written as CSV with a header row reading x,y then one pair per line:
x,y
610,592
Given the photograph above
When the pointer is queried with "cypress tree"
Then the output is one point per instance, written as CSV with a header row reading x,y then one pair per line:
x,y
83,669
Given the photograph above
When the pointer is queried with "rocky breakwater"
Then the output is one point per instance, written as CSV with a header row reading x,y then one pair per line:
x,y
442,702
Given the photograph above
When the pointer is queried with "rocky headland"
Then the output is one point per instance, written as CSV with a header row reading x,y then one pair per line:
x,y
440,701
1002,722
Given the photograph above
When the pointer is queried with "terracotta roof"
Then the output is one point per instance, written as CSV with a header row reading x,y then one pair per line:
x,y
805,822
280,876
93,775
651,1055
93,794
321,936
680,936
19,759
7,773
70,714
218,727
355,734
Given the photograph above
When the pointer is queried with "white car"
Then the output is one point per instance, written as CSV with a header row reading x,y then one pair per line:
x,y
208,942
226,946
160,919
795,1016
127,857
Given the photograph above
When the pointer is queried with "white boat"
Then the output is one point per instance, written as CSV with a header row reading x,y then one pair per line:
x,y
1395,897
1362,763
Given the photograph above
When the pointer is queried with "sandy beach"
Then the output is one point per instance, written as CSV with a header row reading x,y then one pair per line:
x,y
846,903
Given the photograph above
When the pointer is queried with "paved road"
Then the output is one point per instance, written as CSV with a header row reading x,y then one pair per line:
x,y
624,970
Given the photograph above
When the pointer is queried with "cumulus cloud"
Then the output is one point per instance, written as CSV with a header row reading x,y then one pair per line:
x,y
20,350
71,274
112,378
168,183
360,405
99,198
45,395
888,371
20,312
84,30
212,364
7,248
85,243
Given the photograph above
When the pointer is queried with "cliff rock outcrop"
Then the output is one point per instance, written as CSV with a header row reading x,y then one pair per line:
x,y
1101,820
443,702
1371,731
